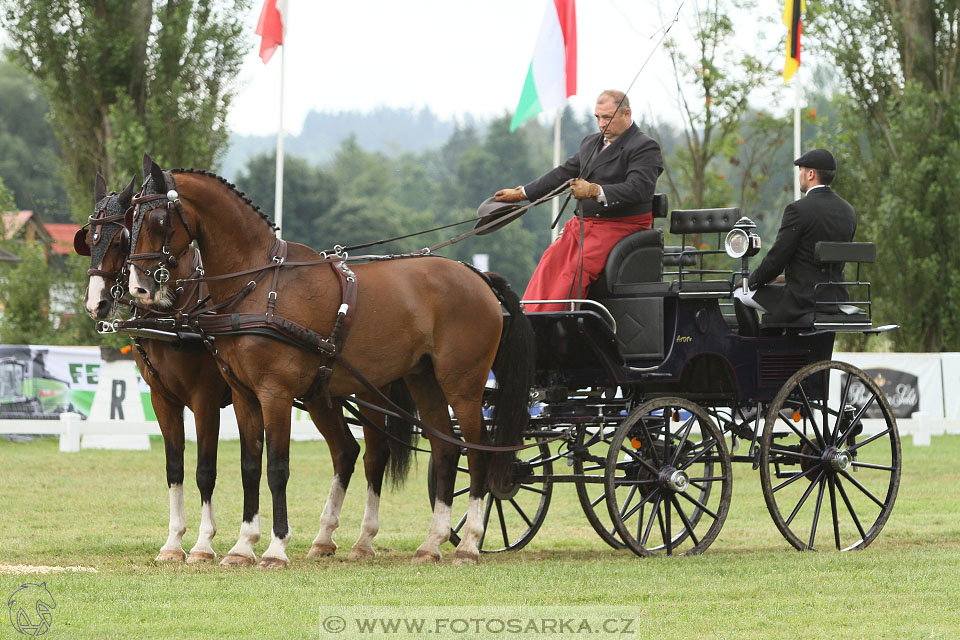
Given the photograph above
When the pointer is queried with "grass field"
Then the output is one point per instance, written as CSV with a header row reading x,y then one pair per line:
x,y
108,510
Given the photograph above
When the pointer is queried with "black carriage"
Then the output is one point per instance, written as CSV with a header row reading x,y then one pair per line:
x,y
648,393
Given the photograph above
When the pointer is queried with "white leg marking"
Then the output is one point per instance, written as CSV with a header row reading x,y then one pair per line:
x,y
278,546
171,550
363,548
438,534
208,529
472,531
330,519
249,536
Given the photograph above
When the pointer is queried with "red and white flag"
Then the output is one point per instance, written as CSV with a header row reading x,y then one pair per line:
x,y
271,27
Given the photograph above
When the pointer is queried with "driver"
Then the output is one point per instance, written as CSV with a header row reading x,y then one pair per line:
x,y
820,215
613,176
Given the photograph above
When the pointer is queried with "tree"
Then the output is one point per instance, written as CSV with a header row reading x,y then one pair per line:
x,y
25,292
123,77
721,77
896,142
308,194
29,151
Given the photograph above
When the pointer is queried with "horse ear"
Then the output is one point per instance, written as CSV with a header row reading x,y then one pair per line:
x,y
159,182
147,163
99,189
127,193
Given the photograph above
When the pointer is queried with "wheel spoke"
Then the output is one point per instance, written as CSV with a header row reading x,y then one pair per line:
x,y
653,515
667,432
867,465
683,440
803,498
803,437
626,503
639,506
486,519
638,458
644,431
810,415
663,531
707,479
863,489
793,479
707,446
816,512
853,514
599,499
870,439
794,454
503,524
843,403
833,510
460,524
520,511
533,489
686,521
668,539
460,492
699,504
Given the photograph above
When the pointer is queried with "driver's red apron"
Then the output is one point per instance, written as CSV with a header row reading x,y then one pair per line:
x,y
556,276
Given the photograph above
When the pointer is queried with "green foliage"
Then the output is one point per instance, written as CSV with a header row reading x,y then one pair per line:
x,y
29,152
25,293
896,140
6,198
722,76
122,77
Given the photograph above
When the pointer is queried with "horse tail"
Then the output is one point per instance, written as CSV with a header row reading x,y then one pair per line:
x,y
513,369
404,436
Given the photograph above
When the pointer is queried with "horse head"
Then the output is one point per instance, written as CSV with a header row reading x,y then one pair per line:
x,y
160,237
106,239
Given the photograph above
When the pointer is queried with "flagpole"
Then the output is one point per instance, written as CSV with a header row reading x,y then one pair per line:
x,y
278,198
796,135
555,203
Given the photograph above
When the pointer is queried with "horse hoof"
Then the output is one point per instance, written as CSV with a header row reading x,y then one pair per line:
x,y
272,563
237,560
197,557
171,555
425,557
318,550
463,557
359,553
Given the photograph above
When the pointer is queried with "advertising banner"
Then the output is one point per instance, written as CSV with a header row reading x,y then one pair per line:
x,y
910,382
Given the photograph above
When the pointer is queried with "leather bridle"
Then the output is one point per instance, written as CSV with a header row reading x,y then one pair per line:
x,y
165,259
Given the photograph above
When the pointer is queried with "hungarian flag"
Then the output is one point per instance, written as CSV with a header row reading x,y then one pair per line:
x,y
552,76
271,26
793,20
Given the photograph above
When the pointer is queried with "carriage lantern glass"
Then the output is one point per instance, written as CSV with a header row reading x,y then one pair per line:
x,y
741,241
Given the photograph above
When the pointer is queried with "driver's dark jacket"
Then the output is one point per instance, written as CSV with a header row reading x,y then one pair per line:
x,y
821,215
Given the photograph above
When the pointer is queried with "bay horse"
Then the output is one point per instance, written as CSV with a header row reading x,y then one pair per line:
x,y
185,374
436,323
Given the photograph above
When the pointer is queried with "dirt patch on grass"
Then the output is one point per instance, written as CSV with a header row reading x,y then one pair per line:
x,y
23,569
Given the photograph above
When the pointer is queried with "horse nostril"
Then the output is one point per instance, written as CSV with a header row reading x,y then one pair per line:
x,y
141,291
103,308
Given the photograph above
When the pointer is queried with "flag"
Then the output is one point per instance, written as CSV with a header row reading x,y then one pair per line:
x,y
552,76
271,27
793,20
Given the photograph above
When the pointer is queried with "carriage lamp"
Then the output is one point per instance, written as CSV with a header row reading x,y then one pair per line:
x,y
742,242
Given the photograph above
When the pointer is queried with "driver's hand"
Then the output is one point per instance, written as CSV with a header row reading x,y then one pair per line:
x,y
509,195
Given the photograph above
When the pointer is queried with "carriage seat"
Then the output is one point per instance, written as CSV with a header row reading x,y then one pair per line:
x,y
686,222
830,314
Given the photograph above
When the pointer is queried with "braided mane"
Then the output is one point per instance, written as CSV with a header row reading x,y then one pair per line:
x,y
233,188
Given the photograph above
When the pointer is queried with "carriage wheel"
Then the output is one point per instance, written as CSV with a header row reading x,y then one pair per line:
x,y
824,470
668,479
516,512
592,444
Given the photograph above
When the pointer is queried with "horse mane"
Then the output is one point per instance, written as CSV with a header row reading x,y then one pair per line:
x,y
232,187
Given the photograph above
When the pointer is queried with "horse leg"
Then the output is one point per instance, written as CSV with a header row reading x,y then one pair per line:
x,y
276,424
432,406
170,417
207,416
375,458
344,451
250,422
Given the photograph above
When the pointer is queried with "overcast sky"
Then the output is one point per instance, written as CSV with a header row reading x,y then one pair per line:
x,y
455,56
